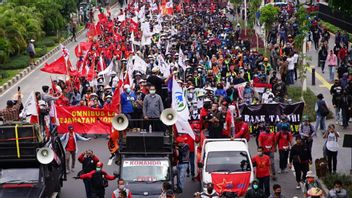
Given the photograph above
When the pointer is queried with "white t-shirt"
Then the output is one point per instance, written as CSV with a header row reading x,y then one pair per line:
x,y
291,65
295,58
331,143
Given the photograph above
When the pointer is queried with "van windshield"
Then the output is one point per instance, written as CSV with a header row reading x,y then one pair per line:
x,y
21,175
145,170
227,161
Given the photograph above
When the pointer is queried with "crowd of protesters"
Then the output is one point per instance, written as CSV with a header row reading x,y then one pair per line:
x,y
196,44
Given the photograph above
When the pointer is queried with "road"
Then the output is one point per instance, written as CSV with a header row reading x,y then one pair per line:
x,y
75,188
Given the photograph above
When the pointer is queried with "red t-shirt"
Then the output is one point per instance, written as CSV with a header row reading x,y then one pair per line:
x,y
283,140
262,165
267,141
71,146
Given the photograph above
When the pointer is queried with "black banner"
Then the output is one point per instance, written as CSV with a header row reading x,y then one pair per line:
x,y
271,114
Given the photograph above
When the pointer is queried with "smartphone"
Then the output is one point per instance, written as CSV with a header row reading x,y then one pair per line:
x,y
18,88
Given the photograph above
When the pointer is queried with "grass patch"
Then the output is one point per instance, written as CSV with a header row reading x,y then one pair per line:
x,y
345,179
332,28
6,75
309,98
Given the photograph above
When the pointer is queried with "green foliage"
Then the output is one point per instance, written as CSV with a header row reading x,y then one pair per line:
x,y
18,24
46,42
310,99
253,8
344,7
40,51
345,179
268,16
16,62
6,75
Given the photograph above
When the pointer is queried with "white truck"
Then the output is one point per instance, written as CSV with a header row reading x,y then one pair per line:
x,y
227,157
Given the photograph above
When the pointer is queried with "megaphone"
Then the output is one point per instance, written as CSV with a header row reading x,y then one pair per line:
x,y
120,122
45,155
168,117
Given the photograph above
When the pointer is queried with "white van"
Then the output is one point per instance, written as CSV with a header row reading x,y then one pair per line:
x,y
224,156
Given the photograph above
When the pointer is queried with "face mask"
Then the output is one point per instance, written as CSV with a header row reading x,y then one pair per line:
x,y
128,90
152,91
260,153
209,190
338,190
255,186
121,186
277,193
98,169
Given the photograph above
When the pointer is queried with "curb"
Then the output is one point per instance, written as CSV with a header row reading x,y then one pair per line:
x,y
40,60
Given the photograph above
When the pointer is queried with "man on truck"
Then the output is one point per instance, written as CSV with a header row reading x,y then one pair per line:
x,y
12,110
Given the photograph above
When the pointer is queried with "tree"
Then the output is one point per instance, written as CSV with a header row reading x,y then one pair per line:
x,y
253,9
300,45
268,16
18,24
236,4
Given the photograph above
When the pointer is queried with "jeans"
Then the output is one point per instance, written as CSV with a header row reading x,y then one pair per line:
x,y
332,160
71,154
301,170
345,117
181,176
283,158
191,162
290,77
338,114
331,72
264,183
320,121
322,64
272,164
88,187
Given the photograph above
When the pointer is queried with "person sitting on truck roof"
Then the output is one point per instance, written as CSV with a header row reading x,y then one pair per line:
x,y
99,180
89,162
121,189
69,142
12,110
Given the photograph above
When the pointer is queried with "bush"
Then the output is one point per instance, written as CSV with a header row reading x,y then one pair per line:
x,y
345,179
16,62
46,42
309,98
40,51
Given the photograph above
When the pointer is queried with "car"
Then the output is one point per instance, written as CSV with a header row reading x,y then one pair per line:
x,y
227,156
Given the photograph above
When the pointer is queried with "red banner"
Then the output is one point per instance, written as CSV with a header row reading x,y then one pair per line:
x,y
84,119
233,182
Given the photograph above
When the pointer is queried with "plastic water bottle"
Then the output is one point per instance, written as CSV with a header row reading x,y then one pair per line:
x,y
150,128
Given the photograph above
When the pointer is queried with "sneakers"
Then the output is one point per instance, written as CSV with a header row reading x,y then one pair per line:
x,y
298,186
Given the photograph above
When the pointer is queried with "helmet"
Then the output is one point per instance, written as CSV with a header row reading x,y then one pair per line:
x,y
100,165
266,59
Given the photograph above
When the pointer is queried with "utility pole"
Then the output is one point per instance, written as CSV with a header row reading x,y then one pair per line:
x,y
245,17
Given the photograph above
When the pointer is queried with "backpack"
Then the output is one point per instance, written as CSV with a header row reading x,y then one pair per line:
x,y
99,181
324,111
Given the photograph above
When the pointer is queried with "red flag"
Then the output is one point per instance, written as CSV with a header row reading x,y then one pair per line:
x,y
91,30
126,80
233,182
115,101
56,67
82,48
91,73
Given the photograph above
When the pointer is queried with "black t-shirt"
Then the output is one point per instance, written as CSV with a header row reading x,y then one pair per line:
x,y
157,82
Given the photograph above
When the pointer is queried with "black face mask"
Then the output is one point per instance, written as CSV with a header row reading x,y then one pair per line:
x,y
209,190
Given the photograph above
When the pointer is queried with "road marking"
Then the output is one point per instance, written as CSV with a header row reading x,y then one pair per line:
x,y
325,83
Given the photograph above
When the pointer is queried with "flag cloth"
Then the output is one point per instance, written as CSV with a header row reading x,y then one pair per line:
x,y
179,104
179,101
56,67
30,106
181,60
233,182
